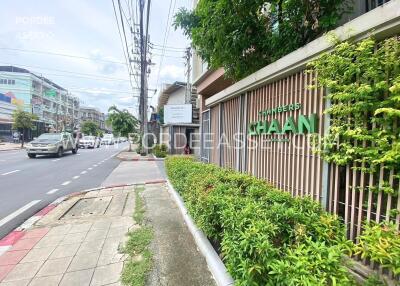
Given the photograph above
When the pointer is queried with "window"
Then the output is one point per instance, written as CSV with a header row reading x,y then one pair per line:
x,y
5,81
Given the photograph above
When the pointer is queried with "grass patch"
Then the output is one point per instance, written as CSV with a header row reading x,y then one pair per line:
x,y
137,268
138,215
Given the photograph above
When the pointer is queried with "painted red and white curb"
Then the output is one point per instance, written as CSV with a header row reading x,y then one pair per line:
x,y
13,237
20,232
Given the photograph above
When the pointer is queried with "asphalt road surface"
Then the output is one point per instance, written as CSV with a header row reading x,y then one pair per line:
x,y
28,185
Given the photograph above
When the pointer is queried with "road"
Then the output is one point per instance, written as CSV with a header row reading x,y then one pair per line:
x,y
28,185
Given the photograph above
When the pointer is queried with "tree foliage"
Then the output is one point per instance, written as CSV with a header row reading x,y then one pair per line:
x,y
245,35
23,119
122,121
90,128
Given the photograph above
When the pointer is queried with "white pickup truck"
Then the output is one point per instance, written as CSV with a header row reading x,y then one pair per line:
x,y
52,144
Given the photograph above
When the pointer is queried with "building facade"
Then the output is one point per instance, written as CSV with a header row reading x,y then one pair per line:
x,y
235,116
54,106
92,114
178,133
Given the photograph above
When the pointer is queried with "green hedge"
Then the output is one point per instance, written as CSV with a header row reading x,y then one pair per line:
x,y
160,150
266,236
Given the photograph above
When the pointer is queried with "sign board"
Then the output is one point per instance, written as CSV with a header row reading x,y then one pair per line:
x,y
300,125
177,113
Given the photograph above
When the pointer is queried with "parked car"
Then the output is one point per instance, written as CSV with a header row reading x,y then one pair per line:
x,y
108,139
89,142
52,144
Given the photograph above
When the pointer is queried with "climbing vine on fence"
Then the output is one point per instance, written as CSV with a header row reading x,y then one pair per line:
x,y
363,83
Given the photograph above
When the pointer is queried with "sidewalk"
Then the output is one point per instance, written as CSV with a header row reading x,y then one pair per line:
x,y
133,156
79,242
6,146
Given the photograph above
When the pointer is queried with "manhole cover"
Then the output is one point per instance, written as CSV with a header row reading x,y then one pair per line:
x,y
88,207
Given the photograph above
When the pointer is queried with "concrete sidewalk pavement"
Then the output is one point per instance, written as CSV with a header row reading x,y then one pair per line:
x,y
79,241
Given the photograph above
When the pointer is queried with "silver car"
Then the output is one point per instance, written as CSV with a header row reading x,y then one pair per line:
x,y
52,144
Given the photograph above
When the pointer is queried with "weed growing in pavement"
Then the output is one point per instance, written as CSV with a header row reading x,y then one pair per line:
x,y
136,269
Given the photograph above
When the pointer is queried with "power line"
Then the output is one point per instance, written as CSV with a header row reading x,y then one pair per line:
x,y
62,55
72,73
128,64
165,41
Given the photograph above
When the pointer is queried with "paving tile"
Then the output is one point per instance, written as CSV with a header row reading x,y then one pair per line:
x,y
96,234
46,281
86,261
81,278
122,222
23,271
4,270
16,283
24,244
66,250
90,247
83,227
111,245
48,241
39,232
38,254
54,267
12,257
73,238
106,259
101,225
118,231
108,274
59,230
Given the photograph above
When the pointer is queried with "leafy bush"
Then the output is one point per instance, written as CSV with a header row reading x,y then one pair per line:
x,y
160,150
381,243
266,236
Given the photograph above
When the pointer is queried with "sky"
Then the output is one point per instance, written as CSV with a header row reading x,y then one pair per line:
x,y
92,65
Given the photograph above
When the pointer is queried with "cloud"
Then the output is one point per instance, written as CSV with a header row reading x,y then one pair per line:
x,y
172,72
106,64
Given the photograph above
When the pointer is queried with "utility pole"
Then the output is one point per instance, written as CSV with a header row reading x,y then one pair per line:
x,y
143,37
188,94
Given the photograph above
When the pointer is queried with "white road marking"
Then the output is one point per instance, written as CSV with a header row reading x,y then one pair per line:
x,y
18,212
90,168
55,160
95,165
52,191
75,177
8,173
83,172
66,183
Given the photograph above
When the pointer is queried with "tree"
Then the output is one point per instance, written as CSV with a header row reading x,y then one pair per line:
x,y
244,36
23,120
90,128
123,122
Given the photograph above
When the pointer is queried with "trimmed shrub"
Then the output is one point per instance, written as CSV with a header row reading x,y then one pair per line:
x,y
160,150
267,237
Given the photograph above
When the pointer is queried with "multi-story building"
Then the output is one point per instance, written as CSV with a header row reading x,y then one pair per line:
x,y
54,106
92,114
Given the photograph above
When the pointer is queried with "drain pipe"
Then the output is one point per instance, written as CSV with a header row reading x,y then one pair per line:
x,y
214,262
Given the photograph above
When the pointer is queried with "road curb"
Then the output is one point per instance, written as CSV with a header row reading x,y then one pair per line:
x,y
214,262
14,149
18,233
